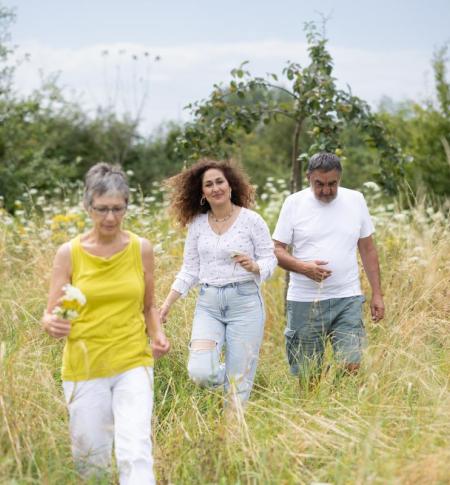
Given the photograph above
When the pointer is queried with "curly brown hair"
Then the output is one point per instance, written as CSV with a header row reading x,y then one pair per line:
x,y
185,188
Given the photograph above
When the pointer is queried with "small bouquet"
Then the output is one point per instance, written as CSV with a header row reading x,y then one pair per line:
x,y
236,252
70,303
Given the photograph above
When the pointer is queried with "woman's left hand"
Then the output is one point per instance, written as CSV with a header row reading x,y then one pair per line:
x,y
247,263
160,344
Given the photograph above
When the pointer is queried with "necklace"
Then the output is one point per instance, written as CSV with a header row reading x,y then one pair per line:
x,y
223,218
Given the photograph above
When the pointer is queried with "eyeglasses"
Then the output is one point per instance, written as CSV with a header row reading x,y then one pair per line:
x,y
103,211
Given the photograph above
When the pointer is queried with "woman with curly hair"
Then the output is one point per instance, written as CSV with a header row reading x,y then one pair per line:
x,y
229,252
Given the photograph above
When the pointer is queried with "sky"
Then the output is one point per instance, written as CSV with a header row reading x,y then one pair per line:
x,y
151,58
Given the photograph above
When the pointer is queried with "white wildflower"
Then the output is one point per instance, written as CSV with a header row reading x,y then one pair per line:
x,y
372,186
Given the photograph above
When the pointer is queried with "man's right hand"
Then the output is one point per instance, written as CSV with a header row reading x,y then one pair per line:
x,y
312,269
315,270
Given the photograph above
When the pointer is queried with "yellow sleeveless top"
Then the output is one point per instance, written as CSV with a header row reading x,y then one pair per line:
x,y
108,337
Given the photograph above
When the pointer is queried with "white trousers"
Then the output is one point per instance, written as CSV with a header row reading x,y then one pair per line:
x,y
113,409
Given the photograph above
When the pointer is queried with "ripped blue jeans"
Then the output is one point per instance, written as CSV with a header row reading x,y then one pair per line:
x,y
231,315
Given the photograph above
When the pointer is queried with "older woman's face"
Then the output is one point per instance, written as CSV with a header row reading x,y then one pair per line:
x,y
107,212
215,187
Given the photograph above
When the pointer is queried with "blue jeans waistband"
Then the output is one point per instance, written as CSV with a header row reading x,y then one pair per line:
x,y
234,284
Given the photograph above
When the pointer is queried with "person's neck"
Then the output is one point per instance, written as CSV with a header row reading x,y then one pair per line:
x,y
222,211
104,239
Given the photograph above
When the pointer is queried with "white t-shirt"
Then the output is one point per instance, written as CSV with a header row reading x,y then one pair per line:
x,y
207,255
327,232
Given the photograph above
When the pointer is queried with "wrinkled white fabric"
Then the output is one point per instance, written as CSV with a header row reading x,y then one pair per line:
x,y
328,232
207,255
113,409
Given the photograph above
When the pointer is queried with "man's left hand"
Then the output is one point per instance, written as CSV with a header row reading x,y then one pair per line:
x,y
377,308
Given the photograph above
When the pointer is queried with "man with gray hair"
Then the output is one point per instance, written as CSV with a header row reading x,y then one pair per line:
x,y
325,224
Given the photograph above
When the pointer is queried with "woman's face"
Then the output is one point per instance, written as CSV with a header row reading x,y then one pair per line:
x,y
215,187
107,212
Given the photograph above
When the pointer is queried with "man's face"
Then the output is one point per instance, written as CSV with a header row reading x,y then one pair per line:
x,y
324,184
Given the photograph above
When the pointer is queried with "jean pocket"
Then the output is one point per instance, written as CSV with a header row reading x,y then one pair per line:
x,y
202,290
362,326
248,288
292,346
289,333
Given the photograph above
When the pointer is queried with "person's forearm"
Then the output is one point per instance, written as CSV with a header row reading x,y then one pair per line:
x,y
152,322
372,269
172,297
315,270
288,262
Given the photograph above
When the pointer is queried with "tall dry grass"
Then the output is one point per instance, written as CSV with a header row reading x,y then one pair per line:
x,y
388,425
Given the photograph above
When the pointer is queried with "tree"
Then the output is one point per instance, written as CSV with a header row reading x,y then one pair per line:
x,y
440,75
313,104
423,129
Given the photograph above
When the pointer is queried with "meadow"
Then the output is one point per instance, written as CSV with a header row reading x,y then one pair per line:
x,y
390,424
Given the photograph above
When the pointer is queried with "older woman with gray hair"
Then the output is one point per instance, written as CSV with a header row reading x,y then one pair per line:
x,y
107,367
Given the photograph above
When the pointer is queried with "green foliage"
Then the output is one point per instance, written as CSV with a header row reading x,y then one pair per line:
x,y
311,100
423,131
442,86
46,141
155,158
271,124
266,151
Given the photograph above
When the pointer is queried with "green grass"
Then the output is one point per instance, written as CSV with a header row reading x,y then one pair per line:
x,y
388,425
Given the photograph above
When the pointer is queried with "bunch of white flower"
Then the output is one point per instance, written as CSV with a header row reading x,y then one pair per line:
x,y
70,303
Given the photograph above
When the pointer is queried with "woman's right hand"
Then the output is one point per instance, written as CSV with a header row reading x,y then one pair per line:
x,y
55,326
172,297
160,344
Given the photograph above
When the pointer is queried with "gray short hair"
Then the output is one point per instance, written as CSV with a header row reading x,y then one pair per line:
x,y
104,178
325,162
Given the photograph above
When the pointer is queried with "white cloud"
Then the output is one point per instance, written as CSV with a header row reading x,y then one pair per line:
x,y
109,74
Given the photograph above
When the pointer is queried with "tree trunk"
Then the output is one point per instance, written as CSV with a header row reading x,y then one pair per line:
x,y
296,184
296,165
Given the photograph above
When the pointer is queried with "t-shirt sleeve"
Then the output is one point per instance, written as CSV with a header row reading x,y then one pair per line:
x,y
367,227
284,229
